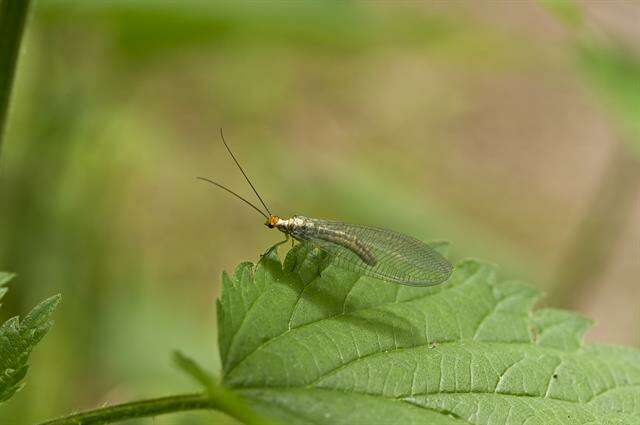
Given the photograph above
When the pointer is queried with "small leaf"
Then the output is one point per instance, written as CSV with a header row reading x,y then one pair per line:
x,y
307,342
17,339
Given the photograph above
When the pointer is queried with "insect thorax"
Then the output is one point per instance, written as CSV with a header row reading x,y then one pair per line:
x,y
301,227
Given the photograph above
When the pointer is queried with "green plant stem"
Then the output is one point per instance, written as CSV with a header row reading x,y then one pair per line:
x,y
13,14
159,406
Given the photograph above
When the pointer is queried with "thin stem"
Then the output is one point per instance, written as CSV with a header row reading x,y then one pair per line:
x,y
603,225
158,406
13,14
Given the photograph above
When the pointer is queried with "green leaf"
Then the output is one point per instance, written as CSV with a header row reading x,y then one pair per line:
x,y
18,338
307,342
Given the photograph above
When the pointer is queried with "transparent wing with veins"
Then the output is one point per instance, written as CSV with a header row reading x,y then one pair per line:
x,y
397,257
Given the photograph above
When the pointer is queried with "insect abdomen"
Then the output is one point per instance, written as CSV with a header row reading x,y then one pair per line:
x,y
349,242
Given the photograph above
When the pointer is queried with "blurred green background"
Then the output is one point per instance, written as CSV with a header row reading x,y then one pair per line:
x,y
508,128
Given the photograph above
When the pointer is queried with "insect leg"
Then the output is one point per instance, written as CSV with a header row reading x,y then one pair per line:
x,y
286,239
275,247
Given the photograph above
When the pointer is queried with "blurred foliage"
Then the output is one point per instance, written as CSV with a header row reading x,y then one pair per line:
x,y
612,70
144,29
12,18
615,71
567,11
430,120
611,67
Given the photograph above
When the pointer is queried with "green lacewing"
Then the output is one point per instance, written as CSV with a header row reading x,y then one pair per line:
x,y
379,253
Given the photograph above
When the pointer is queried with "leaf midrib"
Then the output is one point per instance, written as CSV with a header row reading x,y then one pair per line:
x,y
342,314
406,398
462,343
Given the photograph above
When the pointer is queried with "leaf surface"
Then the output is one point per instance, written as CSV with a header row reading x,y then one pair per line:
x,y
306,342
18,338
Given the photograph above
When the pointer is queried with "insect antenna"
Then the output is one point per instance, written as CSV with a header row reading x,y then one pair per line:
x,y
234,194
243,173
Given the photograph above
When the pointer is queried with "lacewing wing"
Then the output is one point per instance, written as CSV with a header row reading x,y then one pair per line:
x,y
379,253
